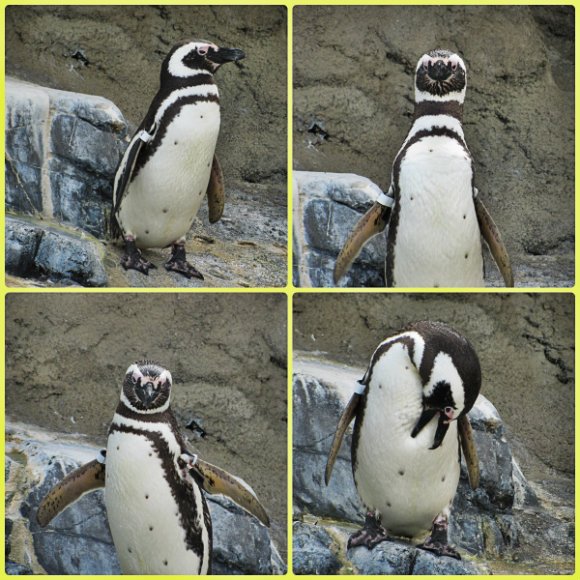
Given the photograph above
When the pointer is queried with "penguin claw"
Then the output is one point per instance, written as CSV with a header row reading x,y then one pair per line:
x,y
439,549
369,536
183,267
137,262
178,263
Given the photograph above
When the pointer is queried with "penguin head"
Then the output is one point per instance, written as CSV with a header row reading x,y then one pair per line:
x,y
146,388
440,76
452,378
190,58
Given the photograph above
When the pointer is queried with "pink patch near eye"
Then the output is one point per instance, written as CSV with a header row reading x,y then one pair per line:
x,y
202,50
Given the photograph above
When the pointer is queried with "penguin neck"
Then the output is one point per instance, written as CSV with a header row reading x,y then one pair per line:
x,y
450,108
169,83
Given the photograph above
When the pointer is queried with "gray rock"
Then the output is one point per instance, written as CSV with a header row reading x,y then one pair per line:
x,y
34,249
78,540
312,551
62,150
326,209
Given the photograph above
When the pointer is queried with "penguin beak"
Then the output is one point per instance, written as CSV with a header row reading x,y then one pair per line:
x,y
442,426
224,55
425,417
146,393
439,71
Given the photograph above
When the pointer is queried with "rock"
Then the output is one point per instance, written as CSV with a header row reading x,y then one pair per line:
x,y
78,541
62,150
326,209
311,552
487,523
35,249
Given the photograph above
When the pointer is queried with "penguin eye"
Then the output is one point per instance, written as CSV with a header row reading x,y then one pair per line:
x,y
202,50
453,66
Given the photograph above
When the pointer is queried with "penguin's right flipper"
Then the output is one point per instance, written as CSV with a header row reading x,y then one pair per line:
x,y
469,450
86,478
492,236
373,222
216,195
216,480
345,420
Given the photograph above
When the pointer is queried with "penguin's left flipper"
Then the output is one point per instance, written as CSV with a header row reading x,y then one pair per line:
x,y
469,450
492,236
216,480
345,420
373,222
216,195
86,478
139,141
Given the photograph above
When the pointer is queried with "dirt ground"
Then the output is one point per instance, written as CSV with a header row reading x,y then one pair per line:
x,y
525,344
66,356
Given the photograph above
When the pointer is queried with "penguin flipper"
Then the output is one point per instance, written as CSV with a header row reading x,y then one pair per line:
x,y
216,195
86,478
373,222
469,450
492,236
125,172
345,420
216,480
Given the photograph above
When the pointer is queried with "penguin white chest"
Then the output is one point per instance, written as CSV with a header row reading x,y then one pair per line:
x,y
143,513
438,239
408,483
164,197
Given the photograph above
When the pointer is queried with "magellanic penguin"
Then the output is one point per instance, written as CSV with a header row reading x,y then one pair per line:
x,y
157,512
434,215
170,163
411,415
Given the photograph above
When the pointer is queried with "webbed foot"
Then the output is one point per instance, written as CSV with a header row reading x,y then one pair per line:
x,y
436,543
371,534
178,263
133,259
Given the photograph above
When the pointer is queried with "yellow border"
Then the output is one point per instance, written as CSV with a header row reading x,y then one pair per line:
x,y
289,290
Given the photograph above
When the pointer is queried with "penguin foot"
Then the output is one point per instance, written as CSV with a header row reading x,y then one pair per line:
x,y
178,263
133,259
370,535
437,541
439,549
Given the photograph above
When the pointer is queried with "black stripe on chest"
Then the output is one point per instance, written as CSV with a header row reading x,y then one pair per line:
x,y
170,116
435,131
181,490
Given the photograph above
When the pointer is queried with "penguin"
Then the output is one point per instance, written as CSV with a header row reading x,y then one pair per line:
x,y
153,484
170,162
410,412
432,211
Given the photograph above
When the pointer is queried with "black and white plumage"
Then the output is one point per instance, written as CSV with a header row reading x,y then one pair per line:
x,y
170,162
432,209
154,485
411,417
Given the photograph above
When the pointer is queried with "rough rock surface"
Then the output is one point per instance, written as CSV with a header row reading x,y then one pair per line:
x,y
325,208
62,150
78,541
353,102
227,354
534,336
